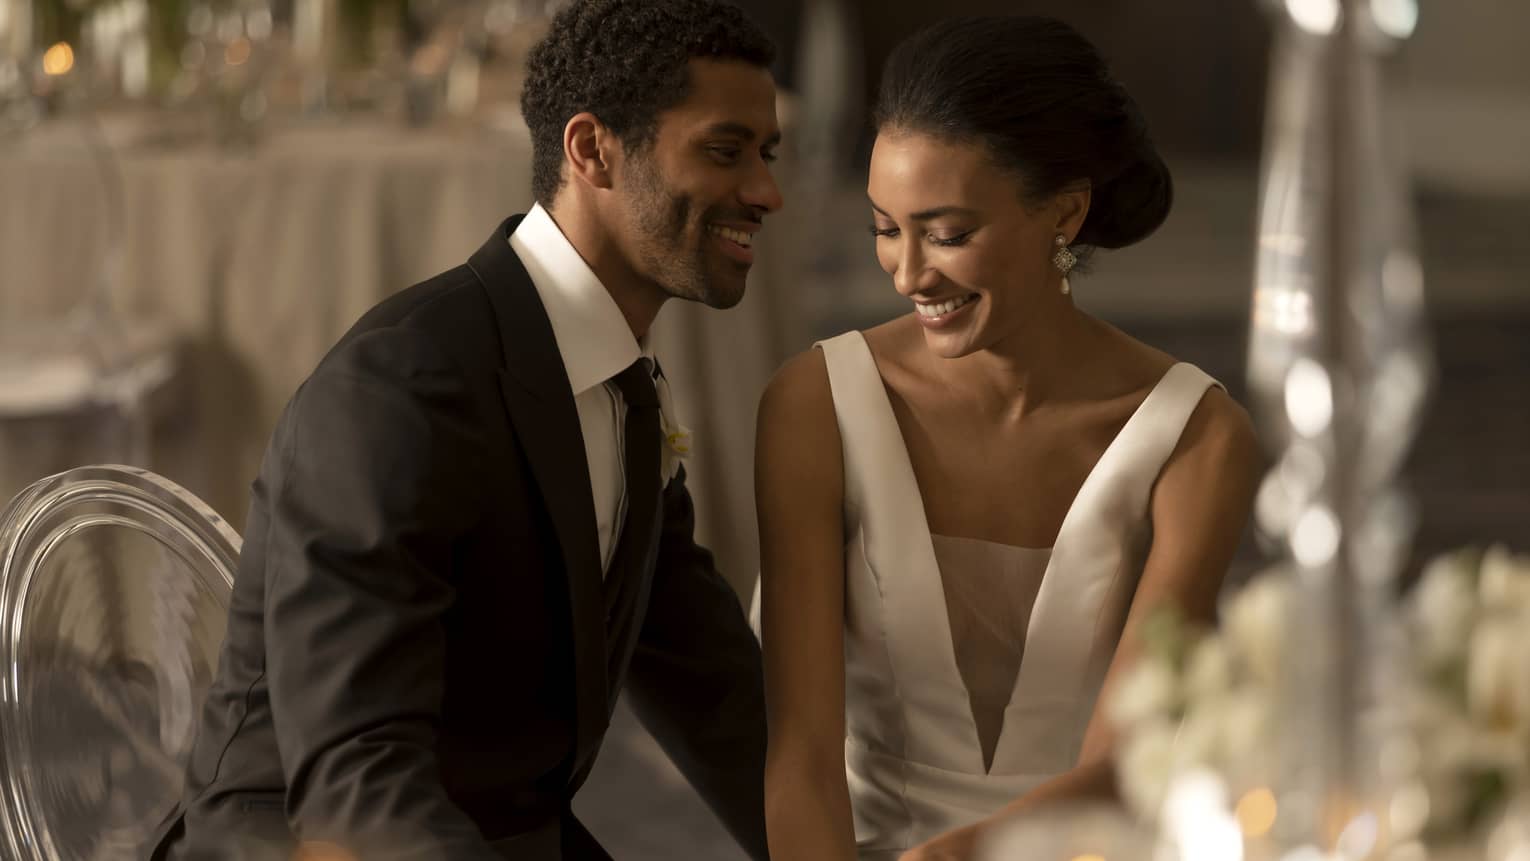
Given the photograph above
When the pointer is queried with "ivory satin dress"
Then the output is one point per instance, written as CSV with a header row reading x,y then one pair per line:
x,y
972,668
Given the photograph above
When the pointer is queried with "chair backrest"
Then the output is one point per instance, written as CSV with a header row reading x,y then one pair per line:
x,y
114,592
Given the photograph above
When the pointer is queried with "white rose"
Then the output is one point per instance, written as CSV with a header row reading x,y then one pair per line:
x,y
1448,801
1431,711
1145,766
1448,748
1444,604
1448,753
1459,753
1248,730
1454,562
1454,750
1203,735
1209,670
1498,673
1255,622
1149,691
1503,580
1496,751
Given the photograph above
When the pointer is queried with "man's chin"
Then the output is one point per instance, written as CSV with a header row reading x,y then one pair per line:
x,y
724,299
719,293
725,289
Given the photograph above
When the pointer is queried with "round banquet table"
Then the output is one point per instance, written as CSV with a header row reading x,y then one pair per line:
x,y
258,261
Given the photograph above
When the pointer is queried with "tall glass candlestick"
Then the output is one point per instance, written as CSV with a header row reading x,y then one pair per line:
x,y
1338,368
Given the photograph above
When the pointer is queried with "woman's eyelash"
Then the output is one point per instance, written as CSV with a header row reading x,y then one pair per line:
x,y
953,241
947,243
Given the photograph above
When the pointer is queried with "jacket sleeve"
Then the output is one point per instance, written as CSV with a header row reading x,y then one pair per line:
x,y
369,483
696,681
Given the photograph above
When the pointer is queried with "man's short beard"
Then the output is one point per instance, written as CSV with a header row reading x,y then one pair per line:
x,y
662,218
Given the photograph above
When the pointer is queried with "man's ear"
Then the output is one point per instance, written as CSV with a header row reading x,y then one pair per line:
x,y
590,149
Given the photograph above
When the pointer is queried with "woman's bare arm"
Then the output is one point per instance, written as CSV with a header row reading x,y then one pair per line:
x,y
799,493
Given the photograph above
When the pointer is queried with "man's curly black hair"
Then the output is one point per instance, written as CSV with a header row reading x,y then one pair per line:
x,y
625,61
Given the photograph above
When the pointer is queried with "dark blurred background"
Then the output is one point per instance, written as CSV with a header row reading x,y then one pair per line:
x,y
197,198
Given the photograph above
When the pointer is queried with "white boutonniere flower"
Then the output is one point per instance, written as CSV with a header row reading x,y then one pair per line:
x,y
678,440
677,447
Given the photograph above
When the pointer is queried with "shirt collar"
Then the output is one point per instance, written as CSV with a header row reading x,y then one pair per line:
x,y
592,335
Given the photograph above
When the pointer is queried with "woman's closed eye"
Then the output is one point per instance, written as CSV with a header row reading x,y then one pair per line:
x,y
946,241
950,240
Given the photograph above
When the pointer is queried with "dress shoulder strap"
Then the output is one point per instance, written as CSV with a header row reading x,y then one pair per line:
x,y
867,428
1154,430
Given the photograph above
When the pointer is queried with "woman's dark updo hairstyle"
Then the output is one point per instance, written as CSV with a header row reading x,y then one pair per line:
x,y
1040,98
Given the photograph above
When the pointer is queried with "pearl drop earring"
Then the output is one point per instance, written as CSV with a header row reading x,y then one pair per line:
x,y
1064,259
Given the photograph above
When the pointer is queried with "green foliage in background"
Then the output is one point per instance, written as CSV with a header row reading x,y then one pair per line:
x,y
57,21
356,20
359,20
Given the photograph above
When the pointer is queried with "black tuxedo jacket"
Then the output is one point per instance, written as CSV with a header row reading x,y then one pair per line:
x,y
416,661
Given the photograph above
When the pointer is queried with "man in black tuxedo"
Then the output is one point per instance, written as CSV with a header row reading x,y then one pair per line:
x,y
469,534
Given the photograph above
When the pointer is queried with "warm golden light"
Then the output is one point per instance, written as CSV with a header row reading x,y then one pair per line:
x,y
237,52
1088,858
1256,812
59,59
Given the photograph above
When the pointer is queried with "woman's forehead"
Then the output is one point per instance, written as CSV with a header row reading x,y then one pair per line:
x,y
909,169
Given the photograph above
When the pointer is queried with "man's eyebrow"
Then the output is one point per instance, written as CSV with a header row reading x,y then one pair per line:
x,y
739,130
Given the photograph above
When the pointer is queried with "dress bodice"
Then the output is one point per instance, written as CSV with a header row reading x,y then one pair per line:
x,y
948,718
989,590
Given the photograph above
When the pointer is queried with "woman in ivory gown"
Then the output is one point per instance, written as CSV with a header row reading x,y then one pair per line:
x,y
967,512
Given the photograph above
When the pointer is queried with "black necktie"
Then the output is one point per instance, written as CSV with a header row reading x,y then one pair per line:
x,y
634,548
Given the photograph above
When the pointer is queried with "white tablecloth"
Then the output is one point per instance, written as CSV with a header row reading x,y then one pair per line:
x,y
260,261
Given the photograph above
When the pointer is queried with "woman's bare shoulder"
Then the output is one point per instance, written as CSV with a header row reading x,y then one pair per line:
x,y
799,397
799,463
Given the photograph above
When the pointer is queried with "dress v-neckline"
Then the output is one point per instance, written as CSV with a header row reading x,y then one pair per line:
x,y
941,612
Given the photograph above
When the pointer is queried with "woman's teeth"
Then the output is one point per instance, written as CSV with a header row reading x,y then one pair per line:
x,y
937,309
730,234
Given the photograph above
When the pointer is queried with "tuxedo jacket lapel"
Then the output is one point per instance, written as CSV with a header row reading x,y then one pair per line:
x,y
540,402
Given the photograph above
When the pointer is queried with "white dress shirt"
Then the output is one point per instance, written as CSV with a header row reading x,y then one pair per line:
x,y
596,344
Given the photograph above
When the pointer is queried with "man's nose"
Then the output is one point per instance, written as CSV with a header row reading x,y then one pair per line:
x,y
760,190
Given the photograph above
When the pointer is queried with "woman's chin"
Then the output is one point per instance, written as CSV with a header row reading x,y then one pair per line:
x,y
949,345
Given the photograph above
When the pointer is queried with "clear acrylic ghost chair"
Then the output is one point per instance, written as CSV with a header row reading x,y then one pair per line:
x,y
76,373
114,591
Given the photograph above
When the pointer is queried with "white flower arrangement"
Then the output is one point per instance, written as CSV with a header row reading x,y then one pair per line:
x,y
1469,619
1205,700
1200,700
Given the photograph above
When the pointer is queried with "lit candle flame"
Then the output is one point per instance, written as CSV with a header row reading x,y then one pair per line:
x,y
1256,812
237,52
59,59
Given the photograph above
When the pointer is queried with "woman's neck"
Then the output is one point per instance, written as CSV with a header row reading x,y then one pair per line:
x,y
1038,363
